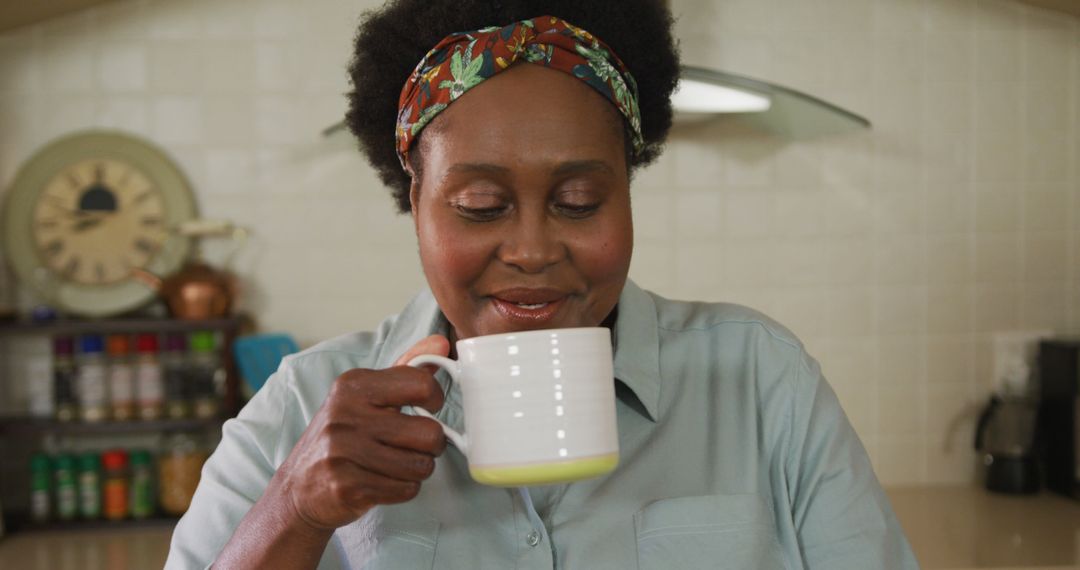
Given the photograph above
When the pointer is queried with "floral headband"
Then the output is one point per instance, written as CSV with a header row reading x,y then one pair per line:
x,y
479,55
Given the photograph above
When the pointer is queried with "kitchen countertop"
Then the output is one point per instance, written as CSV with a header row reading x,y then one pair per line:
x,y
950,527
962,527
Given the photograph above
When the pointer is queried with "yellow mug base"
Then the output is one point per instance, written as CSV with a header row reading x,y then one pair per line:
x,y
545,473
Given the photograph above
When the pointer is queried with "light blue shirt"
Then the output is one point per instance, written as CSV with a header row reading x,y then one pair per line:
x,y
735,453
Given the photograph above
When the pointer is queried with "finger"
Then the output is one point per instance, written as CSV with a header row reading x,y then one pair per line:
x,y
413,433
389,388
434,344
410,387
360,488
395,462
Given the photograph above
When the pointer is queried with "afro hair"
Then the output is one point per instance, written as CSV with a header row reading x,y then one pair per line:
x,y
393,39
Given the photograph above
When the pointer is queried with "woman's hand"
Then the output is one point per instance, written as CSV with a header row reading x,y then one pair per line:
x,y
360,450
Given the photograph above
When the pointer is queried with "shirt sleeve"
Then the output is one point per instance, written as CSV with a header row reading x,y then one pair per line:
x,y
234,477
842,516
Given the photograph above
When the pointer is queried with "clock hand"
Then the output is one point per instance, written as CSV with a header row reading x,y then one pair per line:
x,y
87,223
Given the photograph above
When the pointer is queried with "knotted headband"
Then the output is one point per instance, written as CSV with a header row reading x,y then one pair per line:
x,y
463,60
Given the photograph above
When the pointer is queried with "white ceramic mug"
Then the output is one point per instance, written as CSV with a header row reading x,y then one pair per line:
x,y
539,405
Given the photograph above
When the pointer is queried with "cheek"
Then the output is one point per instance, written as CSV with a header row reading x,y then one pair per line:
x,y
605,256
449,260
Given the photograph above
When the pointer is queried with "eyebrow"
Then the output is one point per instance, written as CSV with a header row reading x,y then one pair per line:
x,y
563,169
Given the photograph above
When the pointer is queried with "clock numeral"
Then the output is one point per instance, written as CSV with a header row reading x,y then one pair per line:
x,y
142,196
75,183
71,267
99,173
53,248
99,270
46,224
151,221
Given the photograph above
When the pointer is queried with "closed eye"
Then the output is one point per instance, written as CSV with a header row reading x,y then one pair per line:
x,y
481,214
577,210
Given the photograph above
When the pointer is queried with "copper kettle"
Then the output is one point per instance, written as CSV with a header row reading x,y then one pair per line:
x,y
197,291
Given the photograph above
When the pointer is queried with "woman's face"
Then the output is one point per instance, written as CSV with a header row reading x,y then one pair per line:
x,y
522,210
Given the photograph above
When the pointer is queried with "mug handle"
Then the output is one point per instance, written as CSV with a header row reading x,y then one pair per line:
x,y
451,368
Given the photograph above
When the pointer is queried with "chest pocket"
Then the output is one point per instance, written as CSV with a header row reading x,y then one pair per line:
x,y
710,531
387,538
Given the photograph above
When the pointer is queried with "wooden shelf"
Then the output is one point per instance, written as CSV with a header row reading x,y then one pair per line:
x,y
34,426
19,522
106,326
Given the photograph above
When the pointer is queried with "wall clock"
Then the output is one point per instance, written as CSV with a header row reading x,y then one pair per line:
x,y
85,210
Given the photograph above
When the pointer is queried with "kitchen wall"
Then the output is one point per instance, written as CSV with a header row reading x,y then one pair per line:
x,y
894,253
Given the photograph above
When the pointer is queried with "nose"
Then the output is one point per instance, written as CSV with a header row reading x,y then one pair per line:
x,y
532,244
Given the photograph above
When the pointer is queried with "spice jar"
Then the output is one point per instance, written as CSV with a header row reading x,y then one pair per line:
x,y
179,467
91,383
149,387
121,378
115,484
174,367
143,501
67,495
205,374
90,486
40,497
67,406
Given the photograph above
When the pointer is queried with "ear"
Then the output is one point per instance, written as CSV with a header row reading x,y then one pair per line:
x,y
414,200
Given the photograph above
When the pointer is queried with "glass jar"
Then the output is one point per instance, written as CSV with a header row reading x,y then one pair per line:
x,y
205,375
149,388
91,385
115,484
90,486
175,368
179,467
121,378
40,487
67,406
67,495
143,500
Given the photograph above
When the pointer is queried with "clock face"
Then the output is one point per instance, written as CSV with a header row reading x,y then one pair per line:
x,y
97,219
86,211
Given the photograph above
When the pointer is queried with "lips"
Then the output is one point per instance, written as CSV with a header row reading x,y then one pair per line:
x,y
528,306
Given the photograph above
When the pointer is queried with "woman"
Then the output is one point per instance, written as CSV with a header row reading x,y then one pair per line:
x,y
512,152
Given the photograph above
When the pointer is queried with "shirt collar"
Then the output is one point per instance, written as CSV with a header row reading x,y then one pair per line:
x,y
635,340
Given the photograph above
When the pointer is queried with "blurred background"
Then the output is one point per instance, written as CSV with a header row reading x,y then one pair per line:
x,y
919,259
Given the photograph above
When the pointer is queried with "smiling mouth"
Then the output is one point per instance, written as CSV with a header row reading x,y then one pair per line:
x,y
528,306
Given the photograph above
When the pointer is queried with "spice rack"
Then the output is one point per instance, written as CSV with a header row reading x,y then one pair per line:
x,y
27,429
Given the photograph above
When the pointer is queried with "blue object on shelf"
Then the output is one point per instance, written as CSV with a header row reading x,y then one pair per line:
x,y
259,355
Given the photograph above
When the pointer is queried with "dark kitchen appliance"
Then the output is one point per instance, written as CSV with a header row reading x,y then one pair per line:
x,y
1059,414
1006,436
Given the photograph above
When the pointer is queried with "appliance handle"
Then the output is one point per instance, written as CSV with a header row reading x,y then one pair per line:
x,y
984,419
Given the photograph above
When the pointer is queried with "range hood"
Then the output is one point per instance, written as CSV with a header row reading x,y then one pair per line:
x,y
707,94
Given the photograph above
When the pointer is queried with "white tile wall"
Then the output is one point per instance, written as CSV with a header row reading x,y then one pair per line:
x,y
894,253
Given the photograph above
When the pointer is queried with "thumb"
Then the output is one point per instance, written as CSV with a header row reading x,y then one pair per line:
x,y
435,344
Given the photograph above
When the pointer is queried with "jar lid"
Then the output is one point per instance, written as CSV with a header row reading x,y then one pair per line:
x,y
140,457
39,462
175,342
64,463
89,462
92,343
115,459
146,342
202,341
118,344
64,345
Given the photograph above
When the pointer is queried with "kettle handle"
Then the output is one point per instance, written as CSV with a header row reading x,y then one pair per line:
x,y
984,419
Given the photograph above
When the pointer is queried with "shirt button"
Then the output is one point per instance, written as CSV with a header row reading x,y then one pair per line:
x,y
533,538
